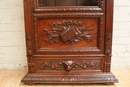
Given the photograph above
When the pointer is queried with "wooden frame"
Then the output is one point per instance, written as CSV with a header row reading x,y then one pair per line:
x,y
69,44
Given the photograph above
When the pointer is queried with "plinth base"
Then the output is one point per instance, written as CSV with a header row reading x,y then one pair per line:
x,y
34,78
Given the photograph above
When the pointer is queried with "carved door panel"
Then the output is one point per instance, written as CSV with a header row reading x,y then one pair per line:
x,y
81,35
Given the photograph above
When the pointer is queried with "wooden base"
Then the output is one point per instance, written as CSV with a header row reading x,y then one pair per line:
x,y
34,78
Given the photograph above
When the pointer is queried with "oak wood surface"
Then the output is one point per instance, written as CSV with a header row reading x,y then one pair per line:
x,y
12,78
68,42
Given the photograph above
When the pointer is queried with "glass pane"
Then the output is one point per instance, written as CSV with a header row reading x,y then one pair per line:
x,y
67,3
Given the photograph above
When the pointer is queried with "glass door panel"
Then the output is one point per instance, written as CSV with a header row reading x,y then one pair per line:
x,y
43,3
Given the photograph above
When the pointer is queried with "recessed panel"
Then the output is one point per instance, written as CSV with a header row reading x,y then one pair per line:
x,y
68,65
67,33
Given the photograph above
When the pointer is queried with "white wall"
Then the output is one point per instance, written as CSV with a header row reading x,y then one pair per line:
x,y
12,35
121,34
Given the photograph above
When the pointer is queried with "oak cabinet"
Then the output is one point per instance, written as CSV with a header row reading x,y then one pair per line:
x,y
68,41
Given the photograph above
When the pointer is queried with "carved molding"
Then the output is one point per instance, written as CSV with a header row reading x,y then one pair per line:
x,y
29,45
73,50
67,65
108,44
68,32
37,17
68,14
35,32
46,9
74,79
67,9
101,33
102,3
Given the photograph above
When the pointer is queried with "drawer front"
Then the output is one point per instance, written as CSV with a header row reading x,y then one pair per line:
x,y
69,35
72,64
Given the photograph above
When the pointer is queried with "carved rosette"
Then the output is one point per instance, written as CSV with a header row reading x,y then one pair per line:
x,y
29,45
68,32
67,65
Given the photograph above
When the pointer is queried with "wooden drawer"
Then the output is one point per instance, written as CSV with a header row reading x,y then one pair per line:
x,y
65,35
68,64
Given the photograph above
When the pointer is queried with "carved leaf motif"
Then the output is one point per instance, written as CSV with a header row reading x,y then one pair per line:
x,y
68,32
108,43
67,65
29,45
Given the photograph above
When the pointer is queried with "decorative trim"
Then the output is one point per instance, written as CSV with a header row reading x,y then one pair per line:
x,y
67,65
101,33
38,16
66,9
73,50
68,14
55,9
29,45
35,32
68,32
102,3
108,44
71,80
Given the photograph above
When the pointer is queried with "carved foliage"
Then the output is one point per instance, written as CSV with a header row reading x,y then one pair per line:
x,y
29,45
38,16
67,65
108,44
68,32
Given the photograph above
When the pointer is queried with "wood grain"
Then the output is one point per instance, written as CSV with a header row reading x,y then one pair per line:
x,y
68,42
12,78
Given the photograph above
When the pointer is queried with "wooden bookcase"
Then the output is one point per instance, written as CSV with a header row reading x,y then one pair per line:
x,y
68,41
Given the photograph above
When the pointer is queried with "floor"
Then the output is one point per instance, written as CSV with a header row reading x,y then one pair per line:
x,y
11,78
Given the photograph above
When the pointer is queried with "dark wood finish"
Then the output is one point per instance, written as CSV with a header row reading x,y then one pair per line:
x,y
68,42
43,3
